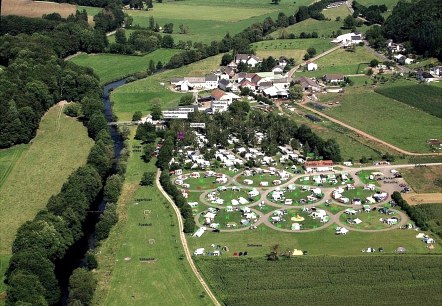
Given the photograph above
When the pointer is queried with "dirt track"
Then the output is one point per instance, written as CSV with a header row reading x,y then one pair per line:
x,y
422,198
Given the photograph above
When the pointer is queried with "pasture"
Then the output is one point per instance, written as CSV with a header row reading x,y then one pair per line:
x,y
8,158
387,119
341,11
28,8
425,97
313,280
324,28
60,147
142,94
112,67
142,265
343,62
424,179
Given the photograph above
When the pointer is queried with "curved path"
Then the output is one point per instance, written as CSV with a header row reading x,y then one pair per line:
x,y
368,136
184,242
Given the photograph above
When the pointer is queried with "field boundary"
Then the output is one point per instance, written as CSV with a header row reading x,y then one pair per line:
x,y
184,242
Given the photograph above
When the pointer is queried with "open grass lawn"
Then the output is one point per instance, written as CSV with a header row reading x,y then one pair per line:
x,y
228,195
8,158
307,223
370,221
60,147
387,119
315,280
424,179
358,193
364,176
310,182
224,218
342,61
324,28
290,48
425,97
258,178
142,94
333,208
323,242
341,11
166,280
112,67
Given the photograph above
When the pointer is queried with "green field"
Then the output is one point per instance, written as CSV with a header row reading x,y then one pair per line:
x,y
433,213
341,11
427,98
424,179
364,176
123,278
342,61
312,280
307,223
60,147
140,95
112,67
370,221
8,158
387,119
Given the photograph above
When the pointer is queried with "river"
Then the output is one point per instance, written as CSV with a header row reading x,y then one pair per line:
x,y
75,256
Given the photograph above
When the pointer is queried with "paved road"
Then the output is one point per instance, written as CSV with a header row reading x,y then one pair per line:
x,y
184,242
364,134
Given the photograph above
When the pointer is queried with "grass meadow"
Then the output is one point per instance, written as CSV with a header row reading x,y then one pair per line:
x,y
424,179
8,158
387,119
140,95
425,97
60,147
125,280
111,67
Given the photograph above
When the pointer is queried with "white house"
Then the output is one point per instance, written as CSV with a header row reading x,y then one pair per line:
x,y
211,81
311,66
278,69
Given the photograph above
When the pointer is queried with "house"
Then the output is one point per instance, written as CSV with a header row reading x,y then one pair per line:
x,y
348,39
232,64
424,76
278,69
211,81
400,59
219,106
308,84
223,84
311,66
436,71
334,78
393,47
409,61
318,166
253,61
249,59
275,92
247,84
282,61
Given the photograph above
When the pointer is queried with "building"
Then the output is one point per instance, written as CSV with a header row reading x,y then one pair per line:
x,y
348,39
311,66
425,76
318,166
334,78
436,71
278,69
211,81
249,59
308,84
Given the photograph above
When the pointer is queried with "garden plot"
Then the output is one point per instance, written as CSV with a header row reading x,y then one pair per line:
x,y
228,218
299,219
370,219
350,194
263,177
294,195
326,180
233,196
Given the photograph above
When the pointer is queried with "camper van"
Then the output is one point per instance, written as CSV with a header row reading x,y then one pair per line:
x,y
199,251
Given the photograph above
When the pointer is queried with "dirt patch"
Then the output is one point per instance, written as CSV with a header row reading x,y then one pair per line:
x,y
28,8
422,198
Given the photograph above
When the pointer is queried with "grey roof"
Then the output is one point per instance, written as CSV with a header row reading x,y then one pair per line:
x,y
307,82
211,77
176,80
224,82
281,80
242,57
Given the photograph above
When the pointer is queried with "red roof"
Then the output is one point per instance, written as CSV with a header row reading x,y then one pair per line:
x,y
319,163
217,94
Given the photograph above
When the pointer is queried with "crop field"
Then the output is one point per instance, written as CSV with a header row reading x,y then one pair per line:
x,y
111,67
342,61
387,119
30,8
141,265
8,158
424,179
142,94
427,98
60,147
312,280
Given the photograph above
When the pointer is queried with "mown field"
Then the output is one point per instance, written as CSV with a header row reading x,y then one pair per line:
x,y
142,94
387,119
61,146
112,67
8,158
123,278
343,62
290,48
424,97
369,280
424,179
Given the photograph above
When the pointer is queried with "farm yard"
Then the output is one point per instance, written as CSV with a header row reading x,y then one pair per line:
x,y
112,67
29,8
388,280
142,94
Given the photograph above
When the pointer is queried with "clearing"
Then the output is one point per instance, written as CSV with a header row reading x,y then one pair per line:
x,y
112,67
40,171
142,94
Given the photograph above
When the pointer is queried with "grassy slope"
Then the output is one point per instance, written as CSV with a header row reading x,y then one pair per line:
x,y
425,97
110,67
422,179
387,119
141,94
8,158
38,173
167,281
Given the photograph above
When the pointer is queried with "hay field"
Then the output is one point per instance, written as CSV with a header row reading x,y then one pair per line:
x,y
28,8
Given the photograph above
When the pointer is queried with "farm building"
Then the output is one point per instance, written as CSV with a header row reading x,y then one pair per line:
x,y
318,166
334,78
308,84
311,66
